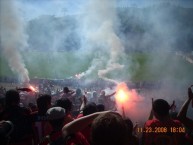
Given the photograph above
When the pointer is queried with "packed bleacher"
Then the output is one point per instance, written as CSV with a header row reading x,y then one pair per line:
x,y
54,115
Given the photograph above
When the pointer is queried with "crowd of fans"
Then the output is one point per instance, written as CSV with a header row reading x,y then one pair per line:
x,y
70,117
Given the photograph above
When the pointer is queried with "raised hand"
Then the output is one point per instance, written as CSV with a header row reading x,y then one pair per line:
x,y
190,94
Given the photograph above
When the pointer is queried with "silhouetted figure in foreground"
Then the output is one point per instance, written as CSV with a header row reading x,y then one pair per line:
x,y
182,116
161,129
20,117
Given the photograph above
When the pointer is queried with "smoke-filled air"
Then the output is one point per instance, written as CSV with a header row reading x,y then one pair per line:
x,y
13,38
140,49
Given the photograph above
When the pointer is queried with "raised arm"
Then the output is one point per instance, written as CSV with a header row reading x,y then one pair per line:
x,y
83,104
111,94
71,92
182,115
80,123
151,113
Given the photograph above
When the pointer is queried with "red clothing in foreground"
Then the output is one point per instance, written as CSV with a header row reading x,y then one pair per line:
x,y
156,132
78,139
57,138
86,131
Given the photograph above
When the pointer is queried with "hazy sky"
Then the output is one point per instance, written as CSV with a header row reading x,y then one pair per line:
x,y
34,8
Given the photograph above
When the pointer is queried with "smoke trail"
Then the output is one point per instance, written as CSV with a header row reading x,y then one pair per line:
x,y
99,30
115,49
96,63
13,38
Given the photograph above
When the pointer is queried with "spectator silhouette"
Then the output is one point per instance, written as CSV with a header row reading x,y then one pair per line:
x,y
89,108
108,129
2,103
75,126
43,104
67,93
94,97
6,128
106,100
41,125
77,99
20,117
182,115
100,107
56,117
67,105
154,133
131,139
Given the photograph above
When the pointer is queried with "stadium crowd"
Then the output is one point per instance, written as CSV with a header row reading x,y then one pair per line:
x,y
75,117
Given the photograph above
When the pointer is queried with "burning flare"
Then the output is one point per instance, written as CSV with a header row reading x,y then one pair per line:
x,y
32,88
130,101
122,94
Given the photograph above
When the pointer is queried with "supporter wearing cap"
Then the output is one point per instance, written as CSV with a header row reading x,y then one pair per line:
x,y
67,105
55,113
56,116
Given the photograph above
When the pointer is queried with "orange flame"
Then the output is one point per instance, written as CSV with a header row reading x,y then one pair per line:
x,y
122,95
130,100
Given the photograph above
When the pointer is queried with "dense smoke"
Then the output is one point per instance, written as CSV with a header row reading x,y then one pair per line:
x,y
103,37
118,43
99,25
13,38
151,30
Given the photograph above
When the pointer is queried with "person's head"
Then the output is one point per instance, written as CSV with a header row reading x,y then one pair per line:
x,y
43,103
78,92
103,93
6,128
64,103
100,107
56,116
161,108
89,108
66,90
94,94
12,98
108,129
32,107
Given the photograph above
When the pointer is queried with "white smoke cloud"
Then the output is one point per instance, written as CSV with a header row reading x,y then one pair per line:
x,y
13,38
99,33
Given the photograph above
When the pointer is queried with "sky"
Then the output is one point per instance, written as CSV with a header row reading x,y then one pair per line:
x,y
33,8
